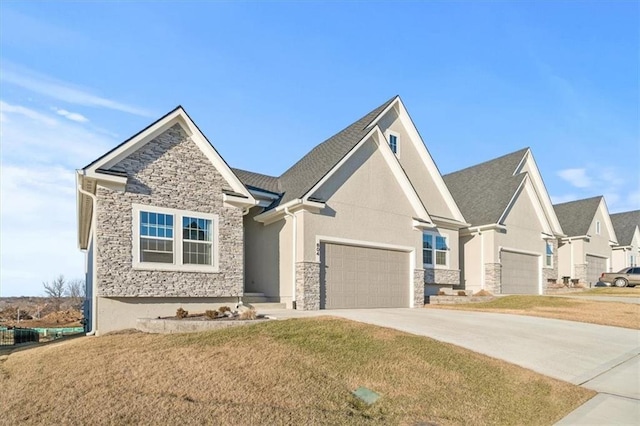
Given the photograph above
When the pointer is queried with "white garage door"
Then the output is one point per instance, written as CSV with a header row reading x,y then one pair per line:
x,y
363,277
595,267
520,273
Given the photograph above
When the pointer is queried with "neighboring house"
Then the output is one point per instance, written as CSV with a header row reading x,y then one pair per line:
x,y
160,217
627,228
363,220
511,245
586,251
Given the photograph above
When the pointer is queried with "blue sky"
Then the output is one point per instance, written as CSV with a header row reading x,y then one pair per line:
x,y
268,81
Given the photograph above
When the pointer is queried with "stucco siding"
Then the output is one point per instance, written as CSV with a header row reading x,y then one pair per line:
x,y
415,168
598,244
262,256
169,172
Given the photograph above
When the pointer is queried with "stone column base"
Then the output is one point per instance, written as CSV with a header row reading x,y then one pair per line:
x,y
308,286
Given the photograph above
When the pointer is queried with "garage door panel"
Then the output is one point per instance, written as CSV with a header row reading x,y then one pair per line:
x,y
520,273
363,277
595,267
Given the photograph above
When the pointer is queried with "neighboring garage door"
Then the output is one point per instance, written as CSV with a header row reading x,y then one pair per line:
x,y
363,277
595,267
520,273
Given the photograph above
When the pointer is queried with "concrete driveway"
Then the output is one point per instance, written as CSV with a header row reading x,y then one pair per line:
x,y
605,359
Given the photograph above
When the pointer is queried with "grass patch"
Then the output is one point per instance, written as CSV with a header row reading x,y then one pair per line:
x,y
611,291
298,371
604,313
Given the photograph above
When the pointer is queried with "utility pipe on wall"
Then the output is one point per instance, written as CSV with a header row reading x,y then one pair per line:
x,y
294,232
94,297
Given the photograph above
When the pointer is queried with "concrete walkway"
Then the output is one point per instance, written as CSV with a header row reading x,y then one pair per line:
x,y
605,359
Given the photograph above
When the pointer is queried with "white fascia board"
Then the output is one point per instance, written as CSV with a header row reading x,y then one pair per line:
x,y
179,116
235,201
418,224
607,221
449,223
427,160
384,112
541,191
479,229
105,177
292,206
575,238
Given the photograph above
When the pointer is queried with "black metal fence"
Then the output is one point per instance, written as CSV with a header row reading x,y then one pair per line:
x,y
17,335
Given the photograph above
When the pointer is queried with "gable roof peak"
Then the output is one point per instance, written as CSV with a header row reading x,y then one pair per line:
x,y
576,216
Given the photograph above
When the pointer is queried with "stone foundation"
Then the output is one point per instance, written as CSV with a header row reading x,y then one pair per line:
x,y
442,276
418,288
308,286
493,277
581,273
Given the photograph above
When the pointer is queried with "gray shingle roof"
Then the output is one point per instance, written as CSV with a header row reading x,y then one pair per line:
x,y
303,175
576,216
257,180
624,224
483,191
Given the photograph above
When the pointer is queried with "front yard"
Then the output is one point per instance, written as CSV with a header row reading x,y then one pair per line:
x,y
298,371
595,312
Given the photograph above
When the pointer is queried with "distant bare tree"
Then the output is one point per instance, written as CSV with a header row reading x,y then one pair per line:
x,y
55,289
75,290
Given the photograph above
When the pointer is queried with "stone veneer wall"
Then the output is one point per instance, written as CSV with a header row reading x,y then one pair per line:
x,y
418,288
442,276
308,286
171,172
493,277
581,273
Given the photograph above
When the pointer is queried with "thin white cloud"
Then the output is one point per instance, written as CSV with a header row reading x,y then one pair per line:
x,y
73,116
7,109
576,177
61,90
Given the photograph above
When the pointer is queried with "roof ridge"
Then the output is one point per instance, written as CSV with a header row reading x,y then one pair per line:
x,y
502,157
582,200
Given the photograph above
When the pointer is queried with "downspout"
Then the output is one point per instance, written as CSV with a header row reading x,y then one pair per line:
x,y
482,271
293,255
572,271
94,296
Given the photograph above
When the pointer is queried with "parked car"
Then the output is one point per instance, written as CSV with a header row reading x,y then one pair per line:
x,y
625,277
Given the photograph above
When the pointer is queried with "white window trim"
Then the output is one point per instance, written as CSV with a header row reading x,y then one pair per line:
x,y
546,243
177,264
448,251
598,227
387,134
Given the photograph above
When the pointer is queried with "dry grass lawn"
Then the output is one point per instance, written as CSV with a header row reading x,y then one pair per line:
x,y
605,313
611,291
298,371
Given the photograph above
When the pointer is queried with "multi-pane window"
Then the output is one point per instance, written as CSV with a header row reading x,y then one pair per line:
x,y
197,241
156,237
549,255
435,248
159,243
393,143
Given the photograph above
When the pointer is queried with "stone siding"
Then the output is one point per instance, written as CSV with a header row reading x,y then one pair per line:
x,y
442,276
418,288
308,286
550,273
581,273
171,172
493,277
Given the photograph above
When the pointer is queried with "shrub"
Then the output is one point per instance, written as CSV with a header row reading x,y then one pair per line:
x,y
211,314
223,309
483,293
181,313
461,293
248,315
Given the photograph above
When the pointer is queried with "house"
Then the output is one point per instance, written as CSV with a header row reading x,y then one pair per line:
x,y
586,250
510,246
363,220
160,217
627,228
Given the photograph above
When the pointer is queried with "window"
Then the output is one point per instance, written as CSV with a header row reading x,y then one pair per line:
x,y
597,227
435,248
157,244
394,141
632,260
549,255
